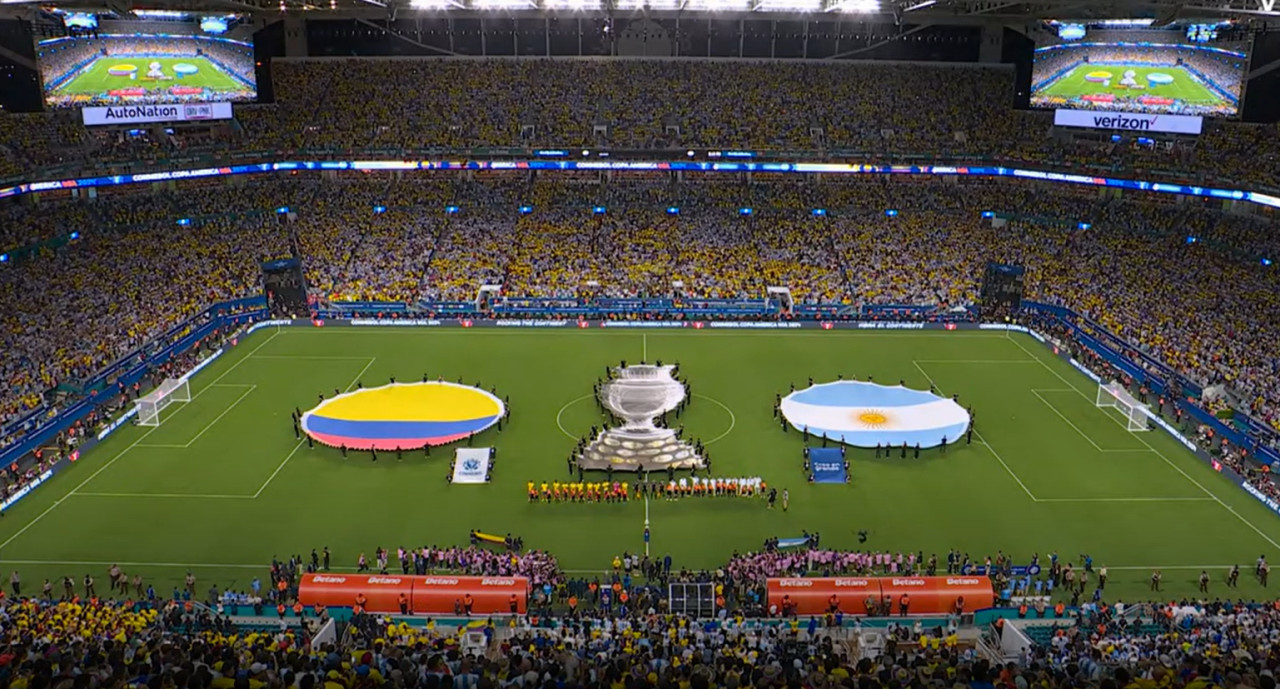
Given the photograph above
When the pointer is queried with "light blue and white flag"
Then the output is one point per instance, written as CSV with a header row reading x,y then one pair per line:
x,y
867,414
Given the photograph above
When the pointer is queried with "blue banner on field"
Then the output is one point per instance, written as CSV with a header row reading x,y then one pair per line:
x,y
826,465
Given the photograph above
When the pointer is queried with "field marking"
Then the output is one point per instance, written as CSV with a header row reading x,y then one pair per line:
x,y
163,495
981,440
267,565
620,332
975,361
164,446
1084,435
218,418
355,381
232,385
272,477
122,453
560,413
1184,499
1158,453
733,418
313,358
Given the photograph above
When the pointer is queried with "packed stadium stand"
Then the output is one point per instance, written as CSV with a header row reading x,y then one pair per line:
x,y
1181,282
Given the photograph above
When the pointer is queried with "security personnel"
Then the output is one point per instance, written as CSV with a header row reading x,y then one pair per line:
x,y
904,605
404,604
513,604
467,602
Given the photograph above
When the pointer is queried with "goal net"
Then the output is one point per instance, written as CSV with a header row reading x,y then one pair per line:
x,y
151,404
1114,395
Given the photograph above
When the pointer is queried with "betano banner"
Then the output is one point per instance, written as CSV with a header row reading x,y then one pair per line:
x,y
1128,121
142,114
439,594
926,595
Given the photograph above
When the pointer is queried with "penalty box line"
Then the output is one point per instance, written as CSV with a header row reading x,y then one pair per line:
x,y
201,496
135,443
981,441
1161,455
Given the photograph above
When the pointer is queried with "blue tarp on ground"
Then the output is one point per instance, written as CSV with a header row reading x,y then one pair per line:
x,y
827,465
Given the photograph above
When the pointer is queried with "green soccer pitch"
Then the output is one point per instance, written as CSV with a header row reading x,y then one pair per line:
x,y
222,486
95,80
1183,88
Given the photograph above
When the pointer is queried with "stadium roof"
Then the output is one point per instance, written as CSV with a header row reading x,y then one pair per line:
x,y
909,12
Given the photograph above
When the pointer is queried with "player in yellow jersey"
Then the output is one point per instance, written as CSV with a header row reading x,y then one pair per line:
x,y
533,492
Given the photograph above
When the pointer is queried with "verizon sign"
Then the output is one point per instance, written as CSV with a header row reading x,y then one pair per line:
x,y
1128,121
141,114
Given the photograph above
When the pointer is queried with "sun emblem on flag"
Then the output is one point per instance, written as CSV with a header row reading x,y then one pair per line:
x,y
872,418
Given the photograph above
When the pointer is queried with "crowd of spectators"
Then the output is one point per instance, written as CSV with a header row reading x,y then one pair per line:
x,y
335,106
377,239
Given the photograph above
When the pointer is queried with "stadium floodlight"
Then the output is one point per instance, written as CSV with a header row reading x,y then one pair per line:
x,y
433,4
717,5
855,6
788,5
502,4
577,5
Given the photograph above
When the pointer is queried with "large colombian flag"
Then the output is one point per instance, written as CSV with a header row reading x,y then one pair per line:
x,y
402,416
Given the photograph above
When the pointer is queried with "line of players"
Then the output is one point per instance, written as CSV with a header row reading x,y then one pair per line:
x,y
621,491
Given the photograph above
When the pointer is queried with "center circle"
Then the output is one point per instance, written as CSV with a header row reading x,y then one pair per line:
x,y
733,419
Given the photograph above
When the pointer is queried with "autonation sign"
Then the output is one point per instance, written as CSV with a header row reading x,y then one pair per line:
x,y
1128,121
140,114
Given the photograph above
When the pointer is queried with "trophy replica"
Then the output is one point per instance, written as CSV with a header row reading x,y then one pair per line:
x,y
638,396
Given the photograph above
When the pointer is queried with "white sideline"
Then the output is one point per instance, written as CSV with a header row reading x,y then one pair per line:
x,y
265,565
120,454
294,451
1158,453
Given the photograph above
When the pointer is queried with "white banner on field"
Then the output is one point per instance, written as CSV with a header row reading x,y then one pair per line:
x,y
142,114
471,465
1129,121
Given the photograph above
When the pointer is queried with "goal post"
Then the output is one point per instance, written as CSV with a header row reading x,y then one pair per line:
x,y
1114,395
151,404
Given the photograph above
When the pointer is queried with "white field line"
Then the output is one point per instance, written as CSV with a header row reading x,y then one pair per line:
x,y
1191,499
135,443
193,496
302,357
266,565
218,418
1158,453
981,441
294,451
975,361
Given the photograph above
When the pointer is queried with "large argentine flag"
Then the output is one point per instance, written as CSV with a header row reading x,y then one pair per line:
x,y
867,414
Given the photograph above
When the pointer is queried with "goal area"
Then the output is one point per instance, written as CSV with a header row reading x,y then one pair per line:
x,y
1115,396
151,404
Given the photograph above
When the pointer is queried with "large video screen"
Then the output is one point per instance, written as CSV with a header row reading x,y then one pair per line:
x,y
153,62
1145,71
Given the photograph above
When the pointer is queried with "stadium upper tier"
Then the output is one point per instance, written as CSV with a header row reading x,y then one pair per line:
x,y
875,110
1208,307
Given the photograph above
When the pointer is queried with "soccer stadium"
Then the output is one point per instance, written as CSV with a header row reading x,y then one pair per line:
x,y
117,69
1138,71
496,345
